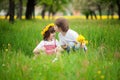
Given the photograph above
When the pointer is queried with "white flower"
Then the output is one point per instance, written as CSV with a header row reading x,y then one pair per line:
x,y
54,60
3,65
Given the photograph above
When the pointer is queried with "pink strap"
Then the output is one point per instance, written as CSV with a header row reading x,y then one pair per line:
x,y
50,48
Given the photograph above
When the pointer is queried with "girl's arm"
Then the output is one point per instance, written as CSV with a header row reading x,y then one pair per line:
x,y
36,51
38,48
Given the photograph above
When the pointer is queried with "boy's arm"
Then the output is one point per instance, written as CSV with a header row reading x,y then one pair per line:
x,y
64,46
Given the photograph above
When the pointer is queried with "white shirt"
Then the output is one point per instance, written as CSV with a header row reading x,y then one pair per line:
x,y
40,46
70,36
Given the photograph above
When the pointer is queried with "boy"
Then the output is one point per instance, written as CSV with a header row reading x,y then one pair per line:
x,y
67,37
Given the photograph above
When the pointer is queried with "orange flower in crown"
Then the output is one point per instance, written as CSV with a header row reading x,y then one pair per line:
x,y
47,28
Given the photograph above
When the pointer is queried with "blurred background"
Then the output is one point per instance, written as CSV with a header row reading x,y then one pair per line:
x,y
97,20
87,9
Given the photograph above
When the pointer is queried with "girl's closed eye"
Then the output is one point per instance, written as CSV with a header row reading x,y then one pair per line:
x,y
52,36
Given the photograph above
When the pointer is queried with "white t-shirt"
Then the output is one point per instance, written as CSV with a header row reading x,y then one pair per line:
x,y
70,36
40,46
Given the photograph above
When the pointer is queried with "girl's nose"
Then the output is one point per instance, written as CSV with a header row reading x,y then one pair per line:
x,y
54,34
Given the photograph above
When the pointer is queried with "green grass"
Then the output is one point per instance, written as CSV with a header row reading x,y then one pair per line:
x,y
101,62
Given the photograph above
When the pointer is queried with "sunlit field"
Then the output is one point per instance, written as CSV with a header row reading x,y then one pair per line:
x,y
68,17
100,62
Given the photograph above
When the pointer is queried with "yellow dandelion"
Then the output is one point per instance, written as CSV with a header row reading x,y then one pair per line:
x,y
46,28
82,37
102,76
3,65
82,40
86,41
9,44
99,72
6,50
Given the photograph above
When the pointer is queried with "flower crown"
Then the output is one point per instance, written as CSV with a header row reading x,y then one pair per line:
x,y
82,40
47,28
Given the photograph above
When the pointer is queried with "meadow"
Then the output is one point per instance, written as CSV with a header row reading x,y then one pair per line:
x,y
100,62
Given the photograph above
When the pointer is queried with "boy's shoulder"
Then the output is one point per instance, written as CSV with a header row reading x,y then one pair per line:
x,y
72,31
59,34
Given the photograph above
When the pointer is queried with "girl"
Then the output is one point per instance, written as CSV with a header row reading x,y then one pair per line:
x,y
49,44
67,37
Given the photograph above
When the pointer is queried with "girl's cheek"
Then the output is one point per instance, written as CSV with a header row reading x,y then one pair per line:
x,y
53,35
56,29
59,30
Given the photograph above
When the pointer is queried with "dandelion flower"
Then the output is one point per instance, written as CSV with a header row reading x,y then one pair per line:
x,y
46,28
81,39
8,44
102,77
6,50
99,72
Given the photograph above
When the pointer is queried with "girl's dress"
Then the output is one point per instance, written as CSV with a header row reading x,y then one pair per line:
x,y
48,46
51,48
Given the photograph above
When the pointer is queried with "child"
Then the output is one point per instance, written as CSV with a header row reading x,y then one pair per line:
x,y
49,44
67,37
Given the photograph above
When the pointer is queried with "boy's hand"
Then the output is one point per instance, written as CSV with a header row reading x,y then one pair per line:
x,y
64,46
82,45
